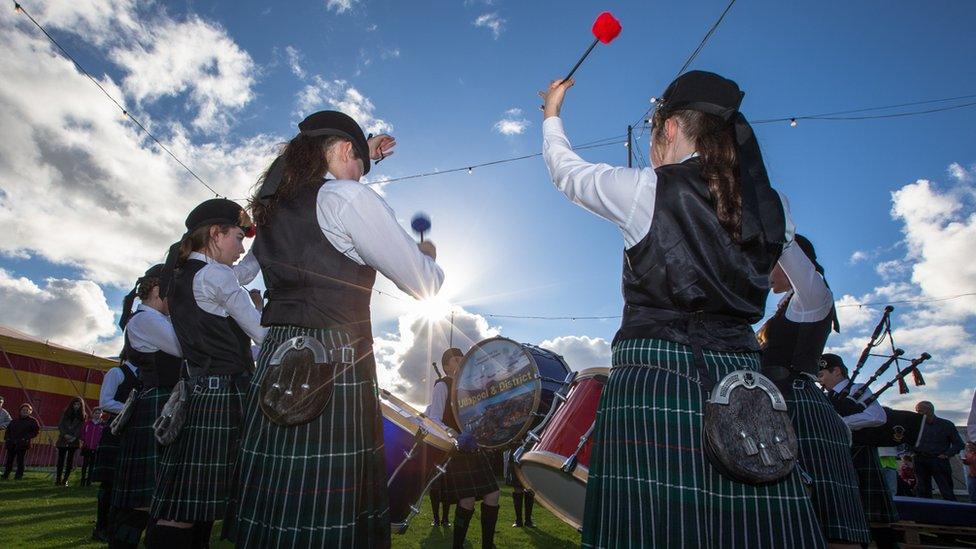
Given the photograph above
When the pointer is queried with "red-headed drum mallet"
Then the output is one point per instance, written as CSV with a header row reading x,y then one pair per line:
x,y
605,29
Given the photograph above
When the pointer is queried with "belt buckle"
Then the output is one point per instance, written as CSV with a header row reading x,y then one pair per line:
x,y
342,355
798,384
213,383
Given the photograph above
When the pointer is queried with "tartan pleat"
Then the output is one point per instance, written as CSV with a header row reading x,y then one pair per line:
x,y
106,456
875,496
195,476
135,471
825,455
321,484
468,476
650,483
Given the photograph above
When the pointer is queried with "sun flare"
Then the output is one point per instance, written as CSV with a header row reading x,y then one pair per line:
x,y
432,309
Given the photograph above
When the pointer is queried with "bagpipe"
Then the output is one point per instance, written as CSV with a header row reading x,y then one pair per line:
x,y
901,426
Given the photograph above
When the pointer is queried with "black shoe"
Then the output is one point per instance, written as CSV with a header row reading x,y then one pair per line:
x,y
529,524
517,524
435,523
445,524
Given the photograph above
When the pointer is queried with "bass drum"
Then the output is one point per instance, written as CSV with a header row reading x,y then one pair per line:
x,y
557,466
417,451
505,388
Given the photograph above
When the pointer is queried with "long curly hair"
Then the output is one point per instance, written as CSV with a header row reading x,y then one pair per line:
x,y
714,141
70,412
305,164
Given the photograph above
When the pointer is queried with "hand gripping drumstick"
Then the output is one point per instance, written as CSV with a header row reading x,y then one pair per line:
x,y
420,224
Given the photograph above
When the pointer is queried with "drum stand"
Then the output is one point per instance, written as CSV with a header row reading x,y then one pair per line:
x,y
535,434
441,469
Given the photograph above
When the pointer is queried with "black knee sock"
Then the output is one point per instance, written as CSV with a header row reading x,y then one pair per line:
x,y
130,524
462,517
445,511
201,534
529,501
168,537
489,517
517,498
435,506
104,505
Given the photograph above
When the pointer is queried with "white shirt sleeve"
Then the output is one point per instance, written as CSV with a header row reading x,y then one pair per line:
x,y
378,240
151,331
247,269
217,291
812,299
873,416
106,396
438,401
624,196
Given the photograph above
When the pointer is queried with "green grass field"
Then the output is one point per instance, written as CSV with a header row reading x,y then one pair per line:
x,y
36,514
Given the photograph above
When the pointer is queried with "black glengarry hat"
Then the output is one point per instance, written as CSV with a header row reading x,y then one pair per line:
x,y
156,271
703,91
830,360
218,211
338,124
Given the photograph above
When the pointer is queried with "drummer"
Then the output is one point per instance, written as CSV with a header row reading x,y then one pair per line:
x,y
316,478
702,230
792,342
469,475
875,496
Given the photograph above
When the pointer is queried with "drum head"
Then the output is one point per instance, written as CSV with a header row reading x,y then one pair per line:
x,y
564,494
410,420
497,392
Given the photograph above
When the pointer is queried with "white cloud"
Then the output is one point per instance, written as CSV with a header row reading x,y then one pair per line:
x,y
580,352
513,123
340,95
890,270
960,174
73,313
120,200
492,22
295,62
340,6
857,257
851,314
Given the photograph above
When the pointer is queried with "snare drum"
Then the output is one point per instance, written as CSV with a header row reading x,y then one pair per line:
x,y
556,467
505,388
417,452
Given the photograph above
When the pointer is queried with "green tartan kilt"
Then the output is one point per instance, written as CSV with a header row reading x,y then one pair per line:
x,y
468,476
196,478
106,456
321,484
875,496
825,455
650,483
135,470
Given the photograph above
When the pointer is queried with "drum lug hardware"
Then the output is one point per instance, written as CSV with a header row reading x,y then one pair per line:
x,y
442,468
533,436
569,465
560,397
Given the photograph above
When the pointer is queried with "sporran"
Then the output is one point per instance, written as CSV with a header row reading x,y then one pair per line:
x,y
298,383
170,421
118,423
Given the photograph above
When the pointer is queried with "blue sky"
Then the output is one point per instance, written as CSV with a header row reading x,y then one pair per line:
x,y
509,242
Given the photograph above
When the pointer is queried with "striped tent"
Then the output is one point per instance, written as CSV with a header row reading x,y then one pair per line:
x,y
47,376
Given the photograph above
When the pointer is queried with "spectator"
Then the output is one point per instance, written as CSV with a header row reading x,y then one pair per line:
x,y
939,441
91,433
906,476
69,439
889,468
19,434
4,416
970,461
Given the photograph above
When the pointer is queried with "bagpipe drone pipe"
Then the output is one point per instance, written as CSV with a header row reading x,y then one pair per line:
x,y
901,426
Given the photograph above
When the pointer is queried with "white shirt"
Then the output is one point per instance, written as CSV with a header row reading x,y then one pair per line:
x,y
110,384
812,299
872,416
624,196
363,227
217,290
151,331
438,401
247,269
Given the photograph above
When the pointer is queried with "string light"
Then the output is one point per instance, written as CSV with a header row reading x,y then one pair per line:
x,y
17,8
470,170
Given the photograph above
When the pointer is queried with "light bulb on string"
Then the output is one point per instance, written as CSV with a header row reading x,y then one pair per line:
x,y
653,100
470,171
17,8
792,122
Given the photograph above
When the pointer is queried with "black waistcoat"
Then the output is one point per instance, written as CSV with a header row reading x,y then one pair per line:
x,y
310,283
212,344
156,369
687,265
793,347
129,382
448,417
